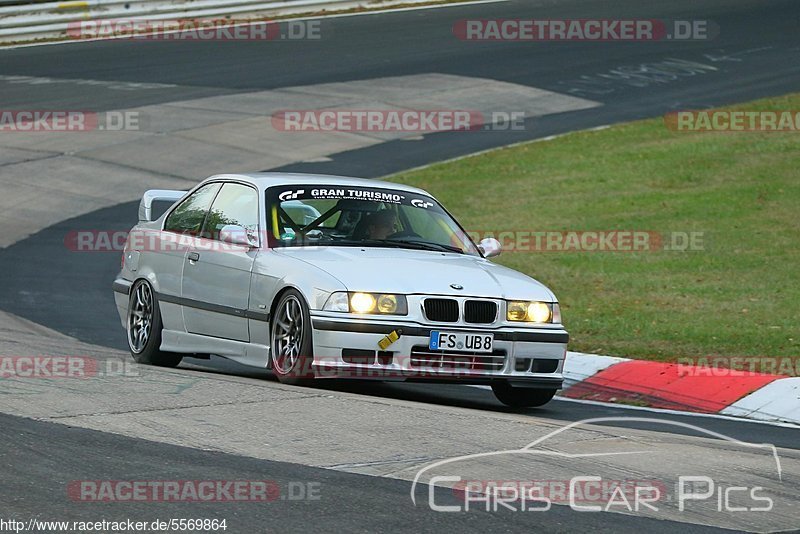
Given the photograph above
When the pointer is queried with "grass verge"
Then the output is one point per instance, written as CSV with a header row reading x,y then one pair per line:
x,y
739,295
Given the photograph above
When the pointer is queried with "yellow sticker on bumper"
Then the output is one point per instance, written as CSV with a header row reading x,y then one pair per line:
x,y
388,340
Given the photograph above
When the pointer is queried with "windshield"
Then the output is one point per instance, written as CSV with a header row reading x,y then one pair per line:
x,y
360,216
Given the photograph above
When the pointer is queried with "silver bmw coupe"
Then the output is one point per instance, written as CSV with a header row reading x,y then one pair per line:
x,y
319,276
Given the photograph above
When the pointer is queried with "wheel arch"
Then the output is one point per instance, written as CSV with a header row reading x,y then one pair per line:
x,y
171,317
279,295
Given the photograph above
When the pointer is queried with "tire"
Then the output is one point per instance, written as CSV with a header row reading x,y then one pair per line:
x,y
144,328
291,347
521,397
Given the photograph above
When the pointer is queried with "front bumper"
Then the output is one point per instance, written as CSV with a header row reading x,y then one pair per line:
x,y
525,357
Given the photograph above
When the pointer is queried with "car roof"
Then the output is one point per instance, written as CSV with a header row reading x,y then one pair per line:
x,y
264,180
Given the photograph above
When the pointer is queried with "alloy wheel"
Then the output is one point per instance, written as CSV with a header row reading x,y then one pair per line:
x,y
287,336
140,318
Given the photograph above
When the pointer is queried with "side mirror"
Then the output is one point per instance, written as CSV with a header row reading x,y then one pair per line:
x,y
236,235
490,247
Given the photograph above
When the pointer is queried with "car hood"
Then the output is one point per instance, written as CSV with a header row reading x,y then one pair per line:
x,y
419,272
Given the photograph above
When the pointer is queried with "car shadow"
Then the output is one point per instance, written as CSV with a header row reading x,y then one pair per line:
x,y
457,395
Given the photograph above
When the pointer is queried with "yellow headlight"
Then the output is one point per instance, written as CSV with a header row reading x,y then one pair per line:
x,y
535,312
517,311
539,312
362,302
387,303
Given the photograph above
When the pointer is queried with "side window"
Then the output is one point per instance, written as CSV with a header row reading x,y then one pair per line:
x,y
236,204
188,217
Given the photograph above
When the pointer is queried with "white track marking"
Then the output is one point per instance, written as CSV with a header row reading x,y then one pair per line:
x,y
109,84
580,366
677,412
778,400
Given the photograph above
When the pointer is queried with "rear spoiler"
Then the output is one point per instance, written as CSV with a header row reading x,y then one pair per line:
x,y
153,195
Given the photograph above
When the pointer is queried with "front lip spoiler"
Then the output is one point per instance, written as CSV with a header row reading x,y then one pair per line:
x,y
374,328
424,375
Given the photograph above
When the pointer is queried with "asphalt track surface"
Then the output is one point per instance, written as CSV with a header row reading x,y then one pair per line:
x,y
756,55
360,503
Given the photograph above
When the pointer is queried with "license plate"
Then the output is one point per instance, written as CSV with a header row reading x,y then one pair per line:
x,y
461,341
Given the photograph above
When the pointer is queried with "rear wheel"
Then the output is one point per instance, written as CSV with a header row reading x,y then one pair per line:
x,y
291,348
521,397
144,328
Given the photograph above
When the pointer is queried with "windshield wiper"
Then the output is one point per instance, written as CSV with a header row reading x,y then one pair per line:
x,y
390,243
419,245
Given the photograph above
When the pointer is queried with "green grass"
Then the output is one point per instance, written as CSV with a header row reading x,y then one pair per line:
x,y
740,296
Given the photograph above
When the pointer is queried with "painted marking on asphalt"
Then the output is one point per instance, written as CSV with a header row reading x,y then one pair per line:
x,y
109,84
644,75
640,75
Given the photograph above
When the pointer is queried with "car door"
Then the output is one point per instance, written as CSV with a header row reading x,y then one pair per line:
x,y
216,275
168,254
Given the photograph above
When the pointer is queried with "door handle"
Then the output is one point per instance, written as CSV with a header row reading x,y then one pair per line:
x,y
193,257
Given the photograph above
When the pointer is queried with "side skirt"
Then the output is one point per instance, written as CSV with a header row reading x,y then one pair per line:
x,y
251,354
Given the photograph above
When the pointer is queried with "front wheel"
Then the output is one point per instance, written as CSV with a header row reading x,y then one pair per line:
x,y
144,328
291,348
521,397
